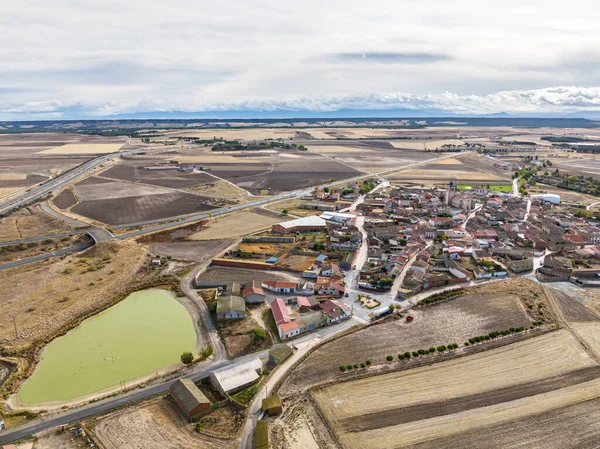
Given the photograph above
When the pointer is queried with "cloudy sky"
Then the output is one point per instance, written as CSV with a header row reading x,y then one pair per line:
x,y
93,58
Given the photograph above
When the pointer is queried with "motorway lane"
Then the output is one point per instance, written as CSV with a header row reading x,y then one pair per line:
x,y
37,239
198,372
60,252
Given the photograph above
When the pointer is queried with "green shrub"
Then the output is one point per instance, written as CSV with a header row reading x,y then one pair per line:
x,y
401,356
187,358
467,343
259,333
407,355
362,365
441,348
422,351
348,367
389,358
415,354
356,365
342,368
368,362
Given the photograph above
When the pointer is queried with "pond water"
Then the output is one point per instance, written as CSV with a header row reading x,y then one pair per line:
x,y
143,333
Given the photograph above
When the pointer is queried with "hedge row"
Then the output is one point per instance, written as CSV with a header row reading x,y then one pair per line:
x,y
494,334
355,366
442,296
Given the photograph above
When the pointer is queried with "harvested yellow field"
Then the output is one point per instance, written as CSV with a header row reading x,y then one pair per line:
x,y
337,149
590,334
5,191
84,148
449,161
410,407
216,159
241,134
12,176
234,225
422,174
520,363
431,429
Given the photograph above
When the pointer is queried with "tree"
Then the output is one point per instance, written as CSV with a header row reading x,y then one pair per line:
x,y
389,358
259,333
187,358
342,368
582,213
284,211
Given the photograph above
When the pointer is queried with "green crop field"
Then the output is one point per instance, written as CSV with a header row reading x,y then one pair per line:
x,y
505,188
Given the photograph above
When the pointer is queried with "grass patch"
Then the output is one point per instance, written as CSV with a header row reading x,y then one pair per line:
x,y
245,396
503,188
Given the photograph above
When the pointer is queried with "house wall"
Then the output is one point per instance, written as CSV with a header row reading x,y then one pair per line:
x,y
255,298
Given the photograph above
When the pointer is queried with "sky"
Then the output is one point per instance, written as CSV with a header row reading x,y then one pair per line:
x,y
90,59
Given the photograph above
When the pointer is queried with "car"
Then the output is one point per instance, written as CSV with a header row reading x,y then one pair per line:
x,y
347,294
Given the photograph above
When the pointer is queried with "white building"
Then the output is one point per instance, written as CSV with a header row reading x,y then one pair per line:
x,y
547,197
236,377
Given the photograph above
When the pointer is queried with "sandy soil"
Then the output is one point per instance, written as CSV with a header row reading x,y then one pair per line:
x,y
426,144
154,425
452,321
12,176
299,427
443,174
55,439
30,222
216,158
46,296
337,149
5,191
523,363
234,225
84,148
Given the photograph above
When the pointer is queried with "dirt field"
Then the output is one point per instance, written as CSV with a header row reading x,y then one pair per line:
x,y
30,221
586,166
565,195
84,148
45,296
145,207
293,208
572,310
297,262
403,403
195,251
164,178
235,225
154,425
65,199
217,274
452,321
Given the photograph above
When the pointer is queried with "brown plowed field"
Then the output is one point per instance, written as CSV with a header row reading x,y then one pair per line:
x,y
404,408
135,209
65,199
28,181
452,321
164,178
572,310
218,274
155,425
571,427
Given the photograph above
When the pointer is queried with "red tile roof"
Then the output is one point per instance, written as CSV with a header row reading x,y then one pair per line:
x,y
303,301
280,312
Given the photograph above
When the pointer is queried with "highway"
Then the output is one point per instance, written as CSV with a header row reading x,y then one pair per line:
x,y
198,371
60,252
47,187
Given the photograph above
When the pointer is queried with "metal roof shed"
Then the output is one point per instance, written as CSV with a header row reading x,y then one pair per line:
x,y
236,377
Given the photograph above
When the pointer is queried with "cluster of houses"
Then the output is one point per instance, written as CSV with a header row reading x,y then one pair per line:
x,y
297,315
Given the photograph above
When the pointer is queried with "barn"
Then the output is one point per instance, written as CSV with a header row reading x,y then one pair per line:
x,y
189,398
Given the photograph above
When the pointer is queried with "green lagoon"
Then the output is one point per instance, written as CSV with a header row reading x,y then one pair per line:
x,y
143,333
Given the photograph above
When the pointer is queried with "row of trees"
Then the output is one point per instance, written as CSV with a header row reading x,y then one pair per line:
x,y
355,366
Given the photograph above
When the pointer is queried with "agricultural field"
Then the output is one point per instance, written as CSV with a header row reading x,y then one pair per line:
x,y
296,262
193,251
173,179
565,195
28,222
269,171
292,207
584,165
242,275
85,148
47,295
236,224
120,202
399,410
486,309
504,188
469,168
156,424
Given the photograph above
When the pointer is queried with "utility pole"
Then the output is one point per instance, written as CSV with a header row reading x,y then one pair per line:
x,y
14,318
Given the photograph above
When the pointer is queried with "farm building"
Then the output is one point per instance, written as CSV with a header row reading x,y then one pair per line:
x,y
272,405
280,286
547,197
236,377
310,321
299,225
253,292
189,398
231,308
261,435
279,353
334,311
339,217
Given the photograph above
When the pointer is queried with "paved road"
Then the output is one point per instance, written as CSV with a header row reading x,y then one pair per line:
x,y
37,239
199,371
55,183
60,252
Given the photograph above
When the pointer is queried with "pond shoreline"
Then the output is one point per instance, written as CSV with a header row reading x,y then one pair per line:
x,y
57,366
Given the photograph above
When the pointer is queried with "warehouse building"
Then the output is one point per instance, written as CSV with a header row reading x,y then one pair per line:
x,y
237,377
189,398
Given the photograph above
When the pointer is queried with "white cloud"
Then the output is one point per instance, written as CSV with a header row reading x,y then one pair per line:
x,y
91,57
